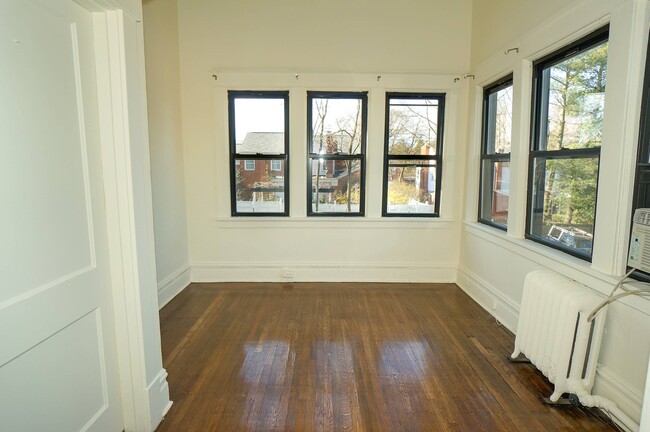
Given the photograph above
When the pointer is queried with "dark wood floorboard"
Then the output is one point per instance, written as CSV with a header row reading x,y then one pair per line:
x,y
349,357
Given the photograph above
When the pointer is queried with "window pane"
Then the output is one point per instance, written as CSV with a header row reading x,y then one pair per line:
x,y
564,202
412,126
337,125
260,190
495,192
259,125
573,101
499,121
338,186
411,186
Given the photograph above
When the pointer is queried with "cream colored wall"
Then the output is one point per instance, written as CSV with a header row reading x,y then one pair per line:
x,y
335,45
166,146
499,23
324,36
626,345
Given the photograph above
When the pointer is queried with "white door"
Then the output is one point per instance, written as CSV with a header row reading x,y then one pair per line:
x,y
58,368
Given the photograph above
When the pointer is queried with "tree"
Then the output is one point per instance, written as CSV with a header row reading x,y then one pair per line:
x,y
343,136
321,114
410,129
575,116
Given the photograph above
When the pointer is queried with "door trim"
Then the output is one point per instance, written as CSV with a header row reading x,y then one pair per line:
x,y
119,50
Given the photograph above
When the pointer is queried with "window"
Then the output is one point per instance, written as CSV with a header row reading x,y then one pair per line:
x,y
567,124
413,154
336,153
259,161
495,154
641,197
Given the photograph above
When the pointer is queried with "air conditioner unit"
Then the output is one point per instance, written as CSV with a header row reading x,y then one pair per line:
x,y
639,256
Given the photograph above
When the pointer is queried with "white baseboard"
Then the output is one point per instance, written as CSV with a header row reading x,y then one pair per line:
x,y
503,308
173,284
610,385
607,384
316,272
159,403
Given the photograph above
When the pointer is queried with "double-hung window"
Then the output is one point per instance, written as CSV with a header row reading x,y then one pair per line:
x,y
567,125
259,147
495,154
336,153
413,154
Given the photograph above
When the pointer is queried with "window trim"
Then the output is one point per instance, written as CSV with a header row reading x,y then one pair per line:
x,y
245,165
234,156
441,98
583,44
361,156
495,87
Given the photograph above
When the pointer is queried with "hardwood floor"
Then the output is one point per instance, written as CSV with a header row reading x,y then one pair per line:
x,y
348,357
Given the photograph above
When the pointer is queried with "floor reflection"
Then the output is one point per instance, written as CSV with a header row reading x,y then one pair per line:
x,y
406,358
329,383
267,372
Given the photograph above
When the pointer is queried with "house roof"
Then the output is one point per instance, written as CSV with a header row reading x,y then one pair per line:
x,y
262,142
333,142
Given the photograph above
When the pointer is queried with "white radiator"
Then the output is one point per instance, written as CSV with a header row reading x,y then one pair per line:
x,y
553,332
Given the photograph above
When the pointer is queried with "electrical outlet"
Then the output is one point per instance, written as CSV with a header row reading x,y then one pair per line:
x,y
494,305
287,274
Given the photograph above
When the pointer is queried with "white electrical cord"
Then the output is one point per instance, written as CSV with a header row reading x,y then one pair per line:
x,y
641,292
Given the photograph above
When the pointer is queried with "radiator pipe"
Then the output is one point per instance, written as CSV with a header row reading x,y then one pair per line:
x,y
595,401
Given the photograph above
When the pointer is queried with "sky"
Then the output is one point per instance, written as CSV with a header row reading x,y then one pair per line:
x,y
267,115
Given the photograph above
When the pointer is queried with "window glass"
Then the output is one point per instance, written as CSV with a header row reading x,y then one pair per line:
x,y
259,125
337,140
411,186
413,127
569,106
412,161
494,192
339,193
336,125
261,190
258,153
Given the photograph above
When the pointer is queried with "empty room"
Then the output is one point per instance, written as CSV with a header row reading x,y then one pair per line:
x,y
343,215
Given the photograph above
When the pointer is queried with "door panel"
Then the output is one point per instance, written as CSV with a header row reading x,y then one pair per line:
x,y
48,363
57,336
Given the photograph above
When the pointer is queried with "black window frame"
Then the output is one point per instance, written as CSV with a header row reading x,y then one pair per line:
x,y
496,86
361,156
642,169
234,156
441,98
577,47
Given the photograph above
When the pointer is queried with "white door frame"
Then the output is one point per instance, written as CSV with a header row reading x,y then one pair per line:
x,y
119,49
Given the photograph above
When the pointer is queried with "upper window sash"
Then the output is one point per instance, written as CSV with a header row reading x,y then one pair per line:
x,y
258,125
490,135
542,70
